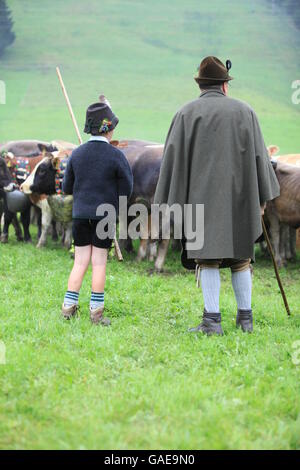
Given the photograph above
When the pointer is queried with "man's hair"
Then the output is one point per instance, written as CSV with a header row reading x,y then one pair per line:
x,y
210,87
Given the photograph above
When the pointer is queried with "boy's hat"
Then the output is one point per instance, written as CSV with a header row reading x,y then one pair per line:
x,y
99,119
213,72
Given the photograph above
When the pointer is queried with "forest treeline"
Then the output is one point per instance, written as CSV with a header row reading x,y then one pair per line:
x,y
292,7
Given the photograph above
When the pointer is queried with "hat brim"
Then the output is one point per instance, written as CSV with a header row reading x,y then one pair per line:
x,y
207,80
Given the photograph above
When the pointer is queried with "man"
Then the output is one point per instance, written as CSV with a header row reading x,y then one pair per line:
x,y
215,155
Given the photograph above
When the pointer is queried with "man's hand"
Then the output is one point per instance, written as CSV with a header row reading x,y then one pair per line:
x,y
262,209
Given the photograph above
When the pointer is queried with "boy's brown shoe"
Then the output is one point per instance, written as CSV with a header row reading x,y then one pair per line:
x,y
96,316
69,312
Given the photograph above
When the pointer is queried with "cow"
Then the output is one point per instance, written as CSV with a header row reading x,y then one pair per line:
x,y
21,157
5,181
19,168
43,183
283,214
23,148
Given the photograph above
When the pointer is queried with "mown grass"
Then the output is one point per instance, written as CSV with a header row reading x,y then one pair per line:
x,y
145,382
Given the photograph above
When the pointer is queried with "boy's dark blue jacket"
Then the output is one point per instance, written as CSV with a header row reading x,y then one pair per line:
x,y
97,173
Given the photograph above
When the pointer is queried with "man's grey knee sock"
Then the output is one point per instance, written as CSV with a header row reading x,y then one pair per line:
x,y
211,283
242,286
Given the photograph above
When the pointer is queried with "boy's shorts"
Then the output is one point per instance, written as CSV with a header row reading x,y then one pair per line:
x,y
84,233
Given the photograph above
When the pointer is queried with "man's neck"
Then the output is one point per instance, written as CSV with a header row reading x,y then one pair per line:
x,y
212,88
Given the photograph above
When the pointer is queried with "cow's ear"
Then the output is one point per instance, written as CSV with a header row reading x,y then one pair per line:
x,y
56,158
51,148
55,162
43,148
272,150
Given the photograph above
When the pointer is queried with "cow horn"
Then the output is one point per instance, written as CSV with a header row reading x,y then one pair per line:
x,y
104,100
10,155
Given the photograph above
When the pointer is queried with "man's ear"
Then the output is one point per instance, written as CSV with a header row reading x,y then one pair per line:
x,y
272,150
225,87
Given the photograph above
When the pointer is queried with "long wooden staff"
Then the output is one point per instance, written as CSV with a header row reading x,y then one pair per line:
x,y
275,267
116,244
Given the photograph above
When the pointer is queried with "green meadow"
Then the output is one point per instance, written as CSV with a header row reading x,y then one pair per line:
x,y
143,56
145,382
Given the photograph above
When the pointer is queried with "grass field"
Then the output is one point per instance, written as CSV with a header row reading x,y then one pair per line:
x,y
143,56
145,382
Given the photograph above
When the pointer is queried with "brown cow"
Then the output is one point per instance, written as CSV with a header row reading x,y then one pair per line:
x,y
283,213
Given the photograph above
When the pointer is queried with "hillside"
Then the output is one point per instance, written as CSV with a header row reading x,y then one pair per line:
x,y
143,56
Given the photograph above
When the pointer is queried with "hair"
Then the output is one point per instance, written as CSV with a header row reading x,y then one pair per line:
x,y
215,86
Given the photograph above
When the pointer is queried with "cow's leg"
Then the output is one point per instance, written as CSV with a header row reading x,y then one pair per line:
x,y
125,244
142,251
63,235
68,236
275,237
25,219
7,222
284,244
293,242
54,231
1,212
36,218
39,222
176,245
152,250
162,253
16,224
143,248
46,223
11,218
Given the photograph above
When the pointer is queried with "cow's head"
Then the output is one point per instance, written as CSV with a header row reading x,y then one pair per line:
x,y
272,150
5,176
42,179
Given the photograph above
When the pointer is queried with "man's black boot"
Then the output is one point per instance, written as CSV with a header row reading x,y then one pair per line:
x,y
210,325
244,319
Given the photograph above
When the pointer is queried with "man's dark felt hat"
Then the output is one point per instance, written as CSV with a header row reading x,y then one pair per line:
x,y
213,72
100,119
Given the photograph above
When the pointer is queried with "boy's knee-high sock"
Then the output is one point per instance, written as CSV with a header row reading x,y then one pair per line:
x,y
97,300
211,283
71,298
242,286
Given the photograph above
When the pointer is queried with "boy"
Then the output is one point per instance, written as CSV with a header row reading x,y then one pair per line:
x,y
97,173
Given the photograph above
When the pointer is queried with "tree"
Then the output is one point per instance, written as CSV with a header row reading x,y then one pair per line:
x,y
292,8
7,36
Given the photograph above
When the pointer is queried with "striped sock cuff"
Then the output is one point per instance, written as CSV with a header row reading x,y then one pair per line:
x,y
97,295
97,300
71,298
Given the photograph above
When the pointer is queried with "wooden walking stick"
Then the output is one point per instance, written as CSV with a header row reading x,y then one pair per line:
x,y
116,244
275,267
